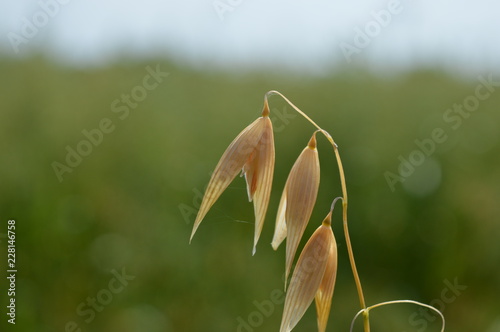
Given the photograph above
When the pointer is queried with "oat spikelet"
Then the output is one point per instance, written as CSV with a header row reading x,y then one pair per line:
x,y
324,294
252,152
258,171
297,202
308,275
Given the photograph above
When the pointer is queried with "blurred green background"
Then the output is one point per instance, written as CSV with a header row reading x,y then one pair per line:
x,y
128,206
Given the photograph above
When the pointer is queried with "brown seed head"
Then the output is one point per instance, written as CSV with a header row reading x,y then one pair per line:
x,y
252,151
297,202
310,280
324,294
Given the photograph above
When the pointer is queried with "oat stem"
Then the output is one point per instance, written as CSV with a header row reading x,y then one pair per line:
x,y
396,302
344,207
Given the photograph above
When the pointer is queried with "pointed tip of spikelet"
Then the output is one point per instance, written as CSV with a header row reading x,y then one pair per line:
x,y
312,141
265,110
192,235
328,220
254,249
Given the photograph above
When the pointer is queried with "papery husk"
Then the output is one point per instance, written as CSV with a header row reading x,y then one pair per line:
x,y
297,202
252,152
324,294
258,171
230,164
307,276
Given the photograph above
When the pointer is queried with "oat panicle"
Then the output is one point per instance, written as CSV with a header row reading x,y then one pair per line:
x,y
314,276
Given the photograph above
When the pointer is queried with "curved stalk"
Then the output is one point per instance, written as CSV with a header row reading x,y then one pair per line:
x,y
365,311
344,206
362,303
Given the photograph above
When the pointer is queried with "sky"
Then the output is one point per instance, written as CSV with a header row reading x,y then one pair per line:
x,y
306,36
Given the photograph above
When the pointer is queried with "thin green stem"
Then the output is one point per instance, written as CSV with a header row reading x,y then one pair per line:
x,y
344,207
366,310
274,92
362,303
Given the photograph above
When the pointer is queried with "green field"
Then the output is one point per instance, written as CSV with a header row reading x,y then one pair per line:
x,y
102,184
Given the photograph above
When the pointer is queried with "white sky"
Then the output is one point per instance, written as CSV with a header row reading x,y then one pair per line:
x,y
459,35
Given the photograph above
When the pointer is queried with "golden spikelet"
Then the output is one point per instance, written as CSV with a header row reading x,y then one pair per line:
x,y
313,277
297,202
324,294
252,152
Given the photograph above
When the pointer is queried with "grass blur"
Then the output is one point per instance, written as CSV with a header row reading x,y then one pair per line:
x,y
131,202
